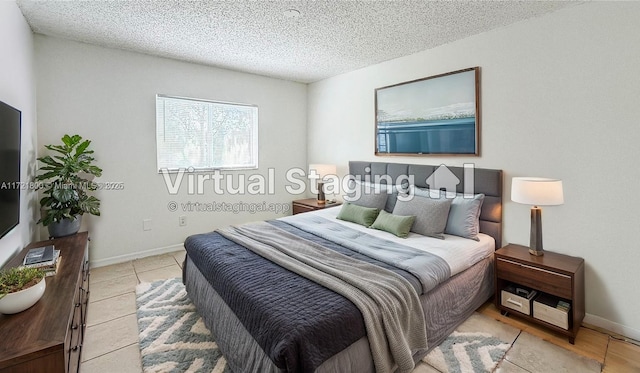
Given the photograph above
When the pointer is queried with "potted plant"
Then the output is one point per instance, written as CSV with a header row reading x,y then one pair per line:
x,y
20,288
66,186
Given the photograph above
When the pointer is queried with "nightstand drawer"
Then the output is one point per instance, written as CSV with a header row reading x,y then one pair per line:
x,y
546,308
298,209
538,278
520,304
311,204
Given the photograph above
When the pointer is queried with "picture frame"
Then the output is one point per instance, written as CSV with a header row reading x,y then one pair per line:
x,y
437,115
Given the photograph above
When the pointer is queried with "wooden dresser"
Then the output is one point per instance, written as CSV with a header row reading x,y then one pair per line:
x,y
48,336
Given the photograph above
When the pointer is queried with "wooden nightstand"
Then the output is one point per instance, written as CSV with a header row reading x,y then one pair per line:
x,y
310,204
554,274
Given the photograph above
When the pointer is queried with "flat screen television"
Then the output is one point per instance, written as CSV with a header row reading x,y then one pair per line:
x,y
10,122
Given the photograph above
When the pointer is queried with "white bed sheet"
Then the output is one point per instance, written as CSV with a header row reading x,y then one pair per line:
x,y
460,253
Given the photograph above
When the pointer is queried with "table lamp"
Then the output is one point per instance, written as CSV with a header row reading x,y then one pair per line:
x,y
536,191
322,170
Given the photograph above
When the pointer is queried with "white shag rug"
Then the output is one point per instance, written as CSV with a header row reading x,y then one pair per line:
x,y
173,337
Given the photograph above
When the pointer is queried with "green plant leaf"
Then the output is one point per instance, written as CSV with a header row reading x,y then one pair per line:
x,y
47,201
82,147
50,161
49,175
66,139
56,148
65,195
94,170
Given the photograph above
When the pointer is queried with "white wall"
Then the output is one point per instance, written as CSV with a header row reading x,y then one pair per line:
x,y
559,98
17,88
108,96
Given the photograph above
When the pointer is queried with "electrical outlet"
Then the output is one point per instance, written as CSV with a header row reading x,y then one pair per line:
x,y
182,221
146,224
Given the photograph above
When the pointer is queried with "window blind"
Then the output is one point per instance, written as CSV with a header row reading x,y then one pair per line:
x,y
205,135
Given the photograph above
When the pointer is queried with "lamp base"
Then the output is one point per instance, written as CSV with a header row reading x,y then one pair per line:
x,y
536,252
321,197
535,240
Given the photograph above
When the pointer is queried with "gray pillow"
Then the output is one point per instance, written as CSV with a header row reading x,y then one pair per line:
x,y
391,201
464,216
367,195
431,214
393,197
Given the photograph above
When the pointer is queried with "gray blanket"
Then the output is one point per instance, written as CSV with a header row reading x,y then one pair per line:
x,y
390,306
430,269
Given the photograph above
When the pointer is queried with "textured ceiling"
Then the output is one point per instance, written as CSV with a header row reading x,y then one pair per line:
x,y
328,38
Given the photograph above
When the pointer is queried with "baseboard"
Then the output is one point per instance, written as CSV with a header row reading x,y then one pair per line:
x,y
612,326
136,255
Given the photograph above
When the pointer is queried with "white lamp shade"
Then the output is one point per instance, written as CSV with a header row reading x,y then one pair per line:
x,y
323,169
537,191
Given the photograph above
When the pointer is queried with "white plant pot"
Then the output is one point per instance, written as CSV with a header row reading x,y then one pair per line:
x,y
23,299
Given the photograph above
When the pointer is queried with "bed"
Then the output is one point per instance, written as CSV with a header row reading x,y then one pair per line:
x,y
266,318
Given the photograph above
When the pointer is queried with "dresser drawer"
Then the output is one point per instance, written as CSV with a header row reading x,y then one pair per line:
x,y
73,345
73,342
547,281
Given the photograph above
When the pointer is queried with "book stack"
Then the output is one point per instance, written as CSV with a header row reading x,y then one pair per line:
x,y
563,306
46,258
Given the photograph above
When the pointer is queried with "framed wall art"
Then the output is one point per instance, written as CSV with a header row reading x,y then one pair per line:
x,y
437,115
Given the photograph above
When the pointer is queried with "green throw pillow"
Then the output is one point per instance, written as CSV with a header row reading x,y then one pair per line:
x,y
358,214
396,224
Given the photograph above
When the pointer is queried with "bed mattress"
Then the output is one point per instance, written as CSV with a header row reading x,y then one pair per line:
x,y
459,253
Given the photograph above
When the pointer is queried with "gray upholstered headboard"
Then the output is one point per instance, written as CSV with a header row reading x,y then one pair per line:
x,y
486,181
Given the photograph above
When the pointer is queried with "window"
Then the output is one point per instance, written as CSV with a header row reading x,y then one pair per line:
x,y
205,134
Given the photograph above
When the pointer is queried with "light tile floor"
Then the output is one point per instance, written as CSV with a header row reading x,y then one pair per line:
x,y
111,339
